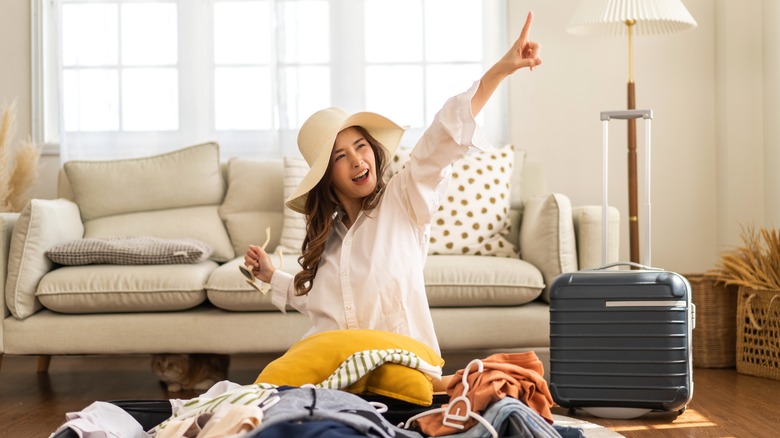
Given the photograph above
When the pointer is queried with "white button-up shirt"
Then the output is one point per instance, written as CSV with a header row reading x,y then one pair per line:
x,y
370,276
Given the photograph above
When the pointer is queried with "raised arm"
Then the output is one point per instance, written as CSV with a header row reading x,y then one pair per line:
x,y
523,53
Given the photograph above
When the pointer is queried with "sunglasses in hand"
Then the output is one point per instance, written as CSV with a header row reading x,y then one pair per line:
x,y
246,271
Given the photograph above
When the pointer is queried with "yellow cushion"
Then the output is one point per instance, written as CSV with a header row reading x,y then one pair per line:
x,y
315,358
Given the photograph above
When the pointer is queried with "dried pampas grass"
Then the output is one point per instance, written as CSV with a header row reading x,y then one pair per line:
x,y
7,128
755,265
18,168
23,175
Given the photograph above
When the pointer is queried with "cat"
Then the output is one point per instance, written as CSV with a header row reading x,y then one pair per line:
x,y
190,371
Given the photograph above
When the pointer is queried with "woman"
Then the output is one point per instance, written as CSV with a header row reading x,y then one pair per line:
x,y
366,241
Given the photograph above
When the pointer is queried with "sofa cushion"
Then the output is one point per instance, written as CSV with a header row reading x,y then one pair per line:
x,y
182,178
547,237
450,281
254,201
474,216
314,358
469,281
141,250
41,225
294,226
227,289
172,195
117,288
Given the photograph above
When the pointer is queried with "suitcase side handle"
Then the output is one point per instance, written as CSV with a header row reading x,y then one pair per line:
x,y
632,264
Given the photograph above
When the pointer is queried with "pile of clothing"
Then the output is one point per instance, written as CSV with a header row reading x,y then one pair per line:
x,y
501,395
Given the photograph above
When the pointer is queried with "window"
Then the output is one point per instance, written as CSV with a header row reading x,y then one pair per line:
x,y
125,78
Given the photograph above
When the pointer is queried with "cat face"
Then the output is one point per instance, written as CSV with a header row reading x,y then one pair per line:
x,y
171,367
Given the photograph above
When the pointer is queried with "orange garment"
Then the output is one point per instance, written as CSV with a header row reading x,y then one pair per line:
x,y
517,375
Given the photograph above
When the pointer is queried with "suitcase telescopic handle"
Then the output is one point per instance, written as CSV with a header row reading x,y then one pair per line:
x,y
632,264
627,114
606,116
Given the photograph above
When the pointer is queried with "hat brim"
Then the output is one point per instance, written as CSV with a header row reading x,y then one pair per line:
x,y
384,130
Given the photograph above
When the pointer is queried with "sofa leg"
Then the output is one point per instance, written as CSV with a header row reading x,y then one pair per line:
x,y
43,364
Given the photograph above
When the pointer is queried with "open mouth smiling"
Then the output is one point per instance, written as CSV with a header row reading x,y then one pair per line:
x,y
362,176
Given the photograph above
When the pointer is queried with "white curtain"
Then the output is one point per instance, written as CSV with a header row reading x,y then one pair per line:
x,y
127,78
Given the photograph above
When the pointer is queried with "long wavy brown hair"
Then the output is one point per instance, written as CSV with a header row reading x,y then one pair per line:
x,y
321,207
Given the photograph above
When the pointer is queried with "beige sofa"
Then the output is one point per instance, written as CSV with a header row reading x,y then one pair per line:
x,y
480,304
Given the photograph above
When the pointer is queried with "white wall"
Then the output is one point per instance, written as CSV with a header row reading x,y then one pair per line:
x,y
15,84
705,87
739,118
714,93
771,58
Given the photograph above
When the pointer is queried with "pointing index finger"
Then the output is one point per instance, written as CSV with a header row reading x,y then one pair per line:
x,y
527,27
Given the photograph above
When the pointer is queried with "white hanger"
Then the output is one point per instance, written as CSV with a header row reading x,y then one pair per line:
x,y
457,416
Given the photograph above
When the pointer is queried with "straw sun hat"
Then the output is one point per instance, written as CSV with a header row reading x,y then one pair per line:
x,y
316,139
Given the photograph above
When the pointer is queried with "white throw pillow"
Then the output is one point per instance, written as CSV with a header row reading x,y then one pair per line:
x,y
547,237
42,224
294,224
474,216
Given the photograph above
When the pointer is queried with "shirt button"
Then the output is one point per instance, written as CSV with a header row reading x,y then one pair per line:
x,y
348,307
347,242
344,274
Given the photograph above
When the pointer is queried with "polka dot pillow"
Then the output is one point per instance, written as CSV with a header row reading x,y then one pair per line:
x,y
474,216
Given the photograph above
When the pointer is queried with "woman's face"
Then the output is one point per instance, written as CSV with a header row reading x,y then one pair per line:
x,y
353,167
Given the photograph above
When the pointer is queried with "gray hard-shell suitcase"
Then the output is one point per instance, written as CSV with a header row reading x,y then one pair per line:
x,y
620,340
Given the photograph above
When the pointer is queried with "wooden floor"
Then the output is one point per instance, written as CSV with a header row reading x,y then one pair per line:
x,y
725,403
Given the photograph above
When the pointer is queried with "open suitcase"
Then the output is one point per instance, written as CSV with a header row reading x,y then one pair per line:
x,y
150,413
620,340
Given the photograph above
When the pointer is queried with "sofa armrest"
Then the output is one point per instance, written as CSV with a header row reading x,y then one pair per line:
x,y
7,222
587,229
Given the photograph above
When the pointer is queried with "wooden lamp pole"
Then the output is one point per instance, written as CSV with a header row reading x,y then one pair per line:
x,y
633,204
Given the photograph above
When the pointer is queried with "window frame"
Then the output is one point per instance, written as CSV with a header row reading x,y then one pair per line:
x,y
347,74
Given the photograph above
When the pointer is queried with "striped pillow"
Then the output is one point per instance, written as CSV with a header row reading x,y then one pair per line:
x,y
141,250
294,223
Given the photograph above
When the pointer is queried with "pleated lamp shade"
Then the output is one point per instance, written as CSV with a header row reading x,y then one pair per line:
x,y
608,17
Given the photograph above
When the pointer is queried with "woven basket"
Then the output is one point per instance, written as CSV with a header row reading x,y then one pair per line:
x,y
715,335
758,333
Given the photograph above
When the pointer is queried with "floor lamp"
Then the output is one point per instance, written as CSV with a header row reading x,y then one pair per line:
x,y
631,17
